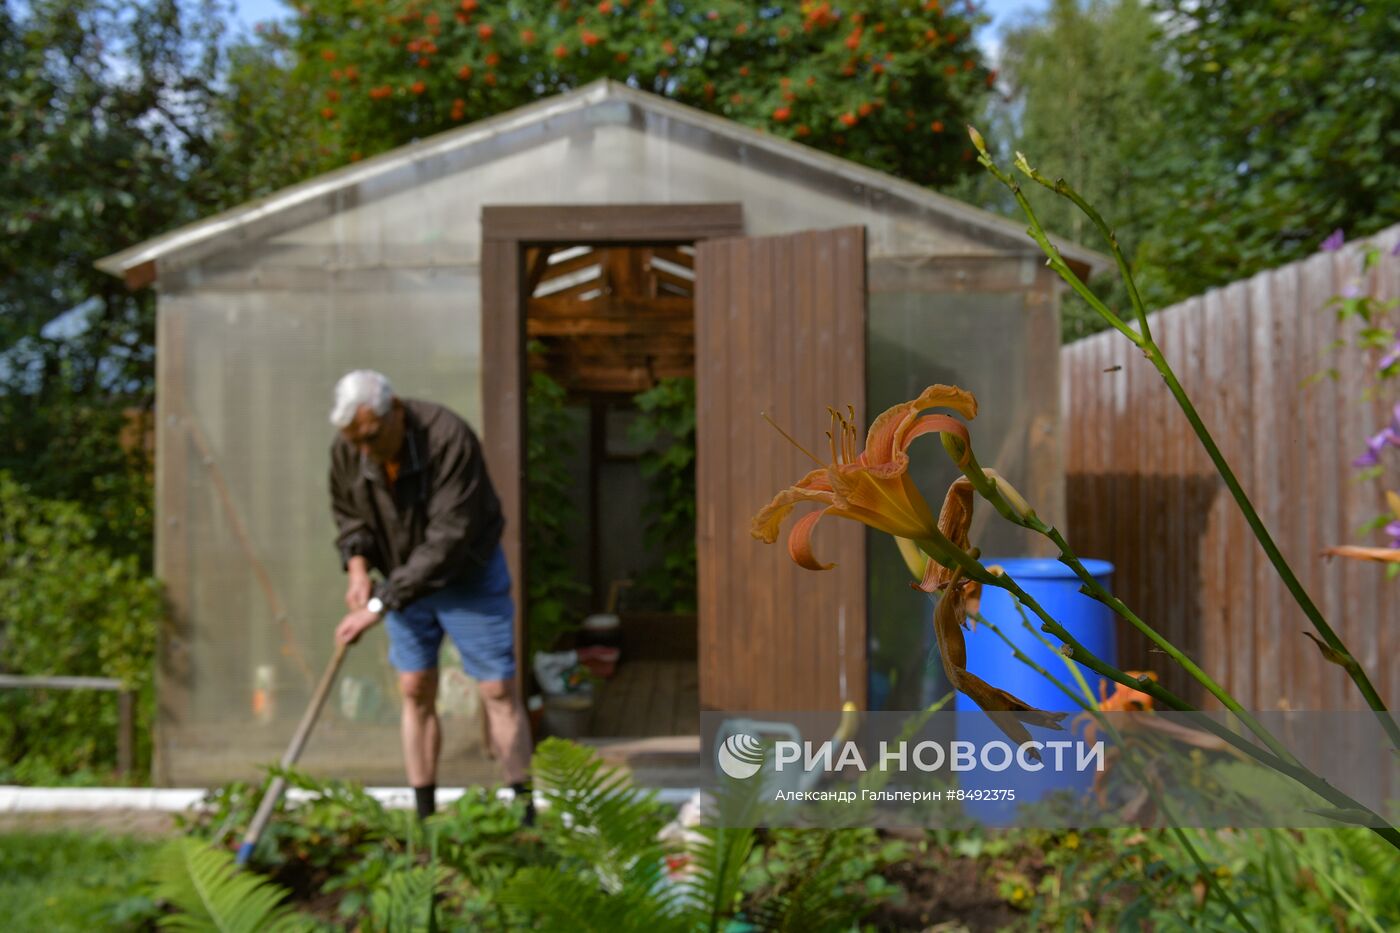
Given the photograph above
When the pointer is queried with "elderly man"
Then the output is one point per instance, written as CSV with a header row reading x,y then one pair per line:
x,y
412,501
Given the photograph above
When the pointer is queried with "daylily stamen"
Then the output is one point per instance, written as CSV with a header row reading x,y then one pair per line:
x,y
873,486
870,485
790,438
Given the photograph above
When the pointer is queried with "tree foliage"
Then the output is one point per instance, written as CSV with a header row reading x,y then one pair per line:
x,y
1087,90
1218,138
884,82
1288,126
68,607
108,139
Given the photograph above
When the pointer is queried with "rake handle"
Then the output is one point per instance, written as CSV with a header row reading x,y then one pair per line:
x,y
290,756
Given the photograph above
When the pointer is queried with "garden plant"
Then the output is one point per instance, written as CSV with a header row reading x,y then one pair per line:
x,y
873,487
1378,335
605,856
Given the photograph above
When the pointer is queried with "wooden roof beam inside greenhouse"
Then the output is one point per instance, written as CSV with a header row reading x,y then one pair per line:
x,y
611,320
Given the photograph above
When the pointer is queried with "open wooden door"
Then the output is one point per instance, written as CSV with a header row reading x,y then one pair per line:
x,y
780,328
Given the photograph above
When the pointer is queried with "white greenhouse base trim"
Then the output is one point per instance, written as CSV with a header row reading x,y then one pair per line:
x,y
19,799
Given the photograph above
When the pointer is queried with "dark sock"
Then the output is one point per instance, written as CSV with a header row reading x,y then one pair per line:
x,y
522,789
426,797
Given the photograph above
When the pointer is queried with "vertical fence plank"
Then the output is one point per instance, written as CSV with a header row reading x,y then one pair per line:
x,y
1216,618
1278,288
1359,500
1145,496
1387,669
1172,475
1314,683
1138,374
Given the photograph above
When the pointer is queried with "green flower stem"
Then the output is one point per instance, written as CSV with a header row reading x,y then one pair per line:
x,y
1117,737
987,488
1153,352
1277,757
1056,261
1283,764
1080,652
1063,189
1282,760
974,570
1097,591
1092,709
1348,661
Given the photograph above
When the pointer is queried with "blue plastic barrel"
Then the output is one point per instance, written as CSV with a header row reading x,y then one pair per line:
x,y
1056,588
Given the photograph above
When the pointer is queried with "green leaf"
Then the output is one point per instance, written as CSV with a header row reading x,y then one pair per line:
x,y
211,894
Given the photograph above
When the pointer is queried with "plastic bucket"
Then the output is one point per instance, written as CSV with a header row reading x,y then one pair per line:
x,y
1056,588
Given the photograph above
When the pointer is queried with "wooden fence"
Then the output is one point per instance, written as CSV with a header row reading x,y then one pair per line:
x,y
1143,494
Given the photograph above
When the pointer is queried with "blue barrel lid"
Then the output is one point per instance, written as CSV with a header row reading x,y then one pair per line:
x,y
1047,568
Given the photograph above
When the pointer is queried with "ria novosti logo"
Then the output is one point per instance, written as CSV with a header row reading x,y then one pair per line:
x,y
740,756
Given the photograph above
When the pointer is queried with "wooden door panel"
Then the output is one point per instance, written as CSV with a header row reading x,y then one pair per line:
x,y
780,328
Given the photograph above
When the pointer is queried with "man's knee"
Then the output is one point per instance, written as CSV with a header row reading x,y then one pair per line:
x,y
419,688
496,691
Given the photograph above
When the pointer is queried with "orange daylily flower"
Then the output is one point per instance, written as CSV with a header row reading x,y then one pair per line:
x,y
1125,699
1122,700
1385,555
1006,710
872,487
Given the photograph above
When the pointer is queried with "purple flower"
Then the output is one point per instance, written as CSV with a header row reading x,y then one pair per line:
x,y
1334,241
1392,356
1388,436
1352,290
1392,531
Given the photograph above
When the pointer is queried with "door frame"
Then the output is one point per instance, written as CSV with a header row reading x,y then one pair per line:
x,y
506,230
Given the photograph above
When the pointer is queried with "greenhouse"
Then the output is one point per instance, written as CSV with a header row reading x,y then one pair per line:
x,y
614,242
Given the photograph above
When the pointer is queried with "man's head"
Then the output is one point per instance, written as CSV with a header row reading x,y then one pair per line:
x,y
368,414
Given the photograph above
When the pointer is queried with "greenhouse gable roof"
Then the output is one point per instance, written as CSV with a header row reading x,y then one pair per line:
x,y
599,103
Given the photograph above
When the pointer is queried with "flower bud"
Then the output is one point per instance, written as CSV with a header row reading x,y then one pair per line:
x,y
977,140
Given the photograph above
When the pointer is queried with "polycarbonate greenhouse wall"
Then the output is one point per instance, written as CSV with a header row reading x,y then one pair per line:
x,y
377,265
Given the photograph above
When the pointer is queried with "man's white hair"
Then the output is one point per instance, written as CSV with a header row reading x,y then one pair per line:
x,y
361,387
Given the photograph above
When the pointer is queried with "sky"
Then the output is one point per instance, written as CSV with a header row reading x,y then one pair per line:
x,y
1003,13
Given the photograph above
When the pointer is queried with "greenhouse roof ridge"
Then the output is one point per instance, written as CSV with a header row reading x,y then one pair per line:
x,y
137,263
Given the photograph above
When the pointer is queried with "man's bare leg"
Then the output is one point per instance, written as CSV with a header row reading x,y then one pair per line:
x,y
510,730
421,733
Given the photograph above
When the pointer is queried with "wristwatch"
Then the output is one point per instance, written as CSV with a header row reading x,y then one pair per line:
x,y
375,605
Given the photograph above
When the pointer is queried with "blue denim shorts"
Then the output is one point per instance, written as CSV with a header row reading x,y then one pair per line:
x,y
477,613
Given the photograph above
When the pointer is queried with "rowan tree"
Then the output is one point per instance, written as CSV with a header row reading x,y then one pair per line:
x,y
885,82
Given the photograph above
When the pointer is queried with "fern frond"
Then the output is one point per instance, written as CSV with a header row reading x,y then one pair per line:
x,y
718,861
598,817
556,900
815,894
404,901
213,895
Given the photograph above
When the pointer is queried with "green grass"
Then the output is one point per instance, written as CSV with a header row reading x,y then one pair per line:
x,y
63,881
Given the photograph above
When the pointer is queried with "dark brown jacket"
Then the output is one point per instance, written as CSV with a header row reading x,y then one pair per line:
x,y
440,520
